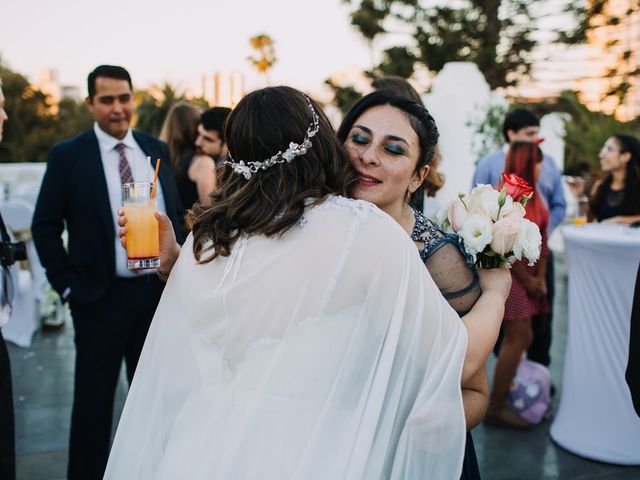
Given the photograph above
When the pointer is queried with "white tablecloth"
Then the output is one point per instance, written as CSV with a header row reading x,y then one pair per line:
x,y
596,418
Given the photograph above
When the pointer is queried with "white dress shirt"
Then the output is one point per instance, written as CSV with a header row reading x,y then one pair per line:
x,y
141,170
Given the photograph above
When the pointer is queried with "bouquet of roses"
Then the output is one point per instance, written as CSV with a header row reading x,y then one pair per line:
x,y
490,223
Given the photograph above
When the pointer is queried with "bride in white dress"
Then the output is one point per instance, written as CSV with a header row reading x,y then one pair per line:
x,y
299,335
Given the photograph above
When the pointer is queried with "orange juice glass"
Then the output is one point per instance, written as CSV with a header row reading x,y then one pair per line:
x,y
142,227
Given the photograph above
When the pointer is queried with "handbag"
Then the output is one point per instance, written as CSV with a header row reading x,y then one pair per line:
x,y
530,391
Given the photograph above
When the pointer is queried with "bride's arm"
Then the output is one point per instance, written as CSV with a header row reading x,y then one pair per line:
x,y
169,247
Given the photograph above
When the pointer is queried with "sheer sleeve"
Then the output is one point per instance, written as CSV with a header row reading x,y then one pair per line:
x,y
456,278
457,281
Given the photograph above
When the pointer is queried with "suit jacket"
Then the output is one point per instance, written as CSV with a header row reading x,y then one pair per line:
x,y
74,192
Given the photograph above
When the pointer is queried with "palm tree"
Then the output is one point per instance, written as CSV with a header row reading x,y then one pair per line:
x,y
265,56
153,105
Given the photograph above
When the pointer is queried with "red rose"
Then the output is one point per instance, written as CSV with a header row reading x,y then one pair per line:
x,y
516,187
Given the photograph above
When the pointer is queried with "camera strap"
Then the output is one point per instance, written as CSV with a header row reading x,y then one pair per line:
x,y
3,231
6,291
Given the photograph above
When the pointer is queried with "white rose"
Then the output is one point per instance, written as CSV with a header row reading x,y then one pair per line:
x,y
507,208
504,233
483,200
440,217
476,233
517,211
457,214
528,242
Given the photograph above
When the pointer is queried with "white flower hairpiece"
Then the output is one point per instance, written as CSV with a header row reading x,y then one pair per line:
x,y
294,150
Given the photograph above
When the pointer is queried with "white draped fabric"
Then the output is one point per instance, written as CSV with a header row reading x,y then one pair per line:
x,y
327,353
595,417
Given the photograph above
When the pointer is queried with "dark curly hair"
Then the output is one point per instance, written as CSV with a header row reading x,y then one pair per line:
x,y
419,118
272,200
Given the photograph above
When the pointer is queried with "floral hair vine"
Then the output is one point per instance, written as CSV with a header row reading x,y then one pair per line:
x,y
294,150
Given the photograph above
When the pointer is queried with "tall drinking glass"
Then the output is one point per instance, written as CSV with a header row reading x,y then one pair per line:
x,y
143,247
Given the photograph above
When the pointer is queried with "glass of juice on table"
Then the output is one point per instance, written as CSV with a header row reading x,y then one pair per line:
x,y
583,208
142,227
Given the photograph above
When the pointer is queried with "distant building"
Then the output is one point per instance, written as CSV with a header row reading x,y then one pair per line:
x,y
223,89
72,92
48,83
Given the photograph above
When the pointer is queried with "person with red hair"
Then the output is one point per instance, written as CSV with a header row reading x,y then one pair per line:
x,y
528,295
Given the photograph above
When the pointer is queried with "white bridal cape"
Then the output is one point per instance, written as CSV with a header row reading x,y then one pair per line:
x,y
327,353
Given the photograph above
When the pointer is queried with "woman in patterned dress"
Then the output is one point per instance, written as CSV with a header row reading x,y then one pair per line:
x,y
528,296
391,142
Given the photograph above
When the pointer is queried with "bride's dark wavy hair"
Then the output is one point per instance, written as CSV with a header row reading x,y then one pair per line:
x,y
272,200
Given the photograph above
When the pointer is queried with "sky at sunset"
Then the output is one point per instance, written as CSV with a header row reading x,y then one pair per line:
x,y
181,40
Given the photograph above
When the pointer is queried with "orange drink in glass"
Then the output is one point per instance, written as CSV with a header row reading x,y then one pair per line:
x,y
142,227
583,209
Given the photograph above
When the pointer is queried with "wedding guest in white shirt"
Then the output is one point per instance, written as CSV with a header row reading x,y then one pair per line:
x,y
111,305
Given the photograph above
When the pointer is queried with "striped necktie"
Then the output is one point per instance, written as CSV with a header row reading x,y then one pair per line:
x,y
125,169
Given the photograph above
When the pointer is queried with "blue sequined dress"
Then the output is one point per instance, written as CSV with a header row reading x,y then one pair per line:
x,y
451,270
457,279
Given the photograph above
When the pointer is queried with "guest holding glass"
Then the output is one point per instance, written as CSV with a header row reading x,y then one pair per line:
x,y
616,198
111,306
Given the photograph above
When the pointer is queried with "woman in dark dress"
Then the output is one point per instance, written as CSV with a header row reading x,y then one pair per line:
x,y
387,140
616,198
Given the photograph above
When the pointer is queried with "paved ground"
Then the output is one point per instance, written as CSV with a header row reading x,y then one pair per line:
x,y
43,381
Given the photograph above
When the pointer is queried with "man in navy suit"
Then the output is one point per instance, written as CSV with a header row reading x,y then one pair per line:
x,y
112,307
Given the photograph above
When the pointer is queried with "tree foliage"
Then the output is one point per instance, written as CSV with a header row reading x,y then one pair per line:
x,y
153,105
586,132
343,96
32,129
595,15
396,61
494,34
486,125
265,54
